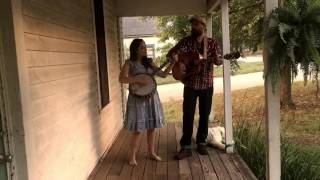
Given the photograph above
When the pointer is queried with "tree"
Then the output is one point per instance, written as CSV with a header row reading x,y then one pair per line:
x,y
286,78
246,18
246,33
175,27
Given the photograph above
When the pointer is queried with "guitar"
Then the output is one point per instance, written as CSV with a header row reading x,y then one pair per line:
x,y
191,63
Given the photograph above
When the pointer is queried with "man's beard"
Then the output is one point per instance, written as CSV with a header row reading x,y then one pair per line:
x,y
195,33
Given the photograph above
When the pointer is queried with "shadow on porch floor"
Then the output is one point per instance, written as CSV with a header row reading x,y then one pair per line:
x,y
216,165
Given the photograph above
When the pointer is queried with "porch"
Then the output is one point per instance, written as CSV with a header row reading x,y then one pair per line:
x,y
64,105
216,165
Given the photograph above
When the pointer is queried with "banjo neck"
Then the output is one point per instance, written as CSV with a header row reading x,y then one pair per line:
x,y
162,66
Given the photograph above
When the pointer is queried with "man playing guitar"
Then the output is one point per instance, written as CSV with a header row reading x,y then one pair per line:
x,y
198,85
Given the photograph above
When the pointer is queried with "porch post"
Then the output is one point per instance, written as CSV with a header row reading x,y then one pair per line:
x,y
272,105
209,25
226,77
209,34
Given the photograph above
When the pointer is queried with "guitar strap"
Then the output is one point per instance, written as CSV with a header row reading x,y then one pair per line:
x,y
205,47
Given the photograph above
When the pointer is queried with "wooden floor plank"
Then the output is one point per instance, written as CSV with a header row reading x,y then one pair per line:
x,y
218,165
172,140
207,168
195,166
112,177
184,168
111,156
163,142
150,169
127,170
138,170
232,170
162,167
243,167
122,158
173,165
194,161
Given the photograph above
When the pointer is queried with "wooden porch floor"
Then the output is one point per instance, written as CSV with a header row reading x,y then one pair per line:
x,y
216,165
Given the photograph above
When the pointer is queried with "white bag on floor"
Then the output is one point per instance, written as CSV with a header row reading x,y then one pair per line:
x,y
216,137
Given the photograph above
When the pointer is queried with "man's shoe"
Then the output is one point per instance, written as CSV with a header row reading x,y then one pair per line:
x,y
202,149
184,153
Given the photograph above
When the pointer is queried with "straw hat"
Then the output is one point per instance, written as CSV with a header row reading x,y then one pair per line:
x,y
199,19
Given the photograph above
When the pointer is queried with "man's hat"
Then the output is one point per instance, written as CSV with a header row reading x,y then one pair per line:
x,y
199,19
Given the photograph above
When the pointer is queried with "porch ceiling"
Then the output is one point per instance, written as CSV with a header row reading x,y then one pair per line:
x,y
127,8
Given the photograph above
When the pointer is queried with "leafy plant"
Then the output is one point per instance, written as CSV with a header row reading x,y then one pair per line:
x,y
292,37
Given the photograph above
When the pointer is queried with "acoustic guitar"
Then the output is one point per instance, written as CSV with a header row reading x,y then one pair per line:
x,y
191,63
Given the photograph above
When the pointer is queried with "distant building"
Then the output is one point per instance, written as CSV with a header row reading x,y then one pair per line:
x,y
136,27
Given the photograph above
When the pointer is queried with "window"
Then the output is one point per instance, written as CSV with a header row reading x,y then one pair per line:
x,y
151,51
101,52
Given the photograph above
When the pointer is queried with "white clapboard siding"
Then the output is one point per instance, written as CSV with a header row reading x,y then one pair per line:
x,y
69,131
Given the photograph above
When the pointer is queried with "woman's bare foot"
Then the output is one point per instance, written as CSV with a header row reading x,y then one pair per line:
x,y
155,157
133,162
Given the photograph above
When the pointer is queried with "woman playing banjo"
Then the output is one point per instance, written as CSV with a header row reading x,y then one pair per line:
x,y
142,113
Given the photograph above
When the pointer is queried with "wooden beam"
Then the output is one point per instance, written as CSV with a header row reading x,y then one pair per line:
x,y
209,34
209,25
226,77
17,96
125,8
212,5
121,62
272,104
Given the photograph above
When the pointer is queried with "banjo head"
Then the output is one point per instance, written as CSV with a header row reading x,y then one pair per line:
x,y
146,89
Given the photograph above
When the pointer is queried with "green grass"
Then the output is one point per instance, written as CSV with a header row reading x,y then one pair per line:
x,y
167,80
298,162
245,68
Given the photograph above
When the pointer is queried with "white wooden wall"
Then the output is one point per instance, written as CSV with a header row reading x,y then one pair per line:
x,y
13,97
65,131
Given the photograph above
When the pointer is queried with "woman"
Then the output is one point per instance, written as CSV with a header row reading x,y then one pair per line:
x,y
143,113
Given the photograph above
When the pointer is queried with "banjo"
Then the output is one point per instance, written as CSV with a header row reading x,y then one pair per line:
x,y
188,59
148,89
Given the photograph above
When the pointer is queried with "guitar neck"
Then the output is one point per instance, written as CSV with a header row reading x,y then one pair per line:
x,y
230,56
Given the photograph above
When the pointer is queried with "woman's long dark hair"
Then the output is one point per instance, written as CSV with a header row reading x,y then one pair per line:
x,y
134,48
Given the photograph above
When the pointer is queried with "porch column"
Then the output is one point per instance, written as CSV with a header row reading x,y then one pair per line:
x,y
226,77
209,25
209,34
272,105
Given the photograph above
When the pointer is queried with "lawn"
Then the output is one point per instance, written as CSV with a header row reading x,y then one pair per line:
x,y
245,68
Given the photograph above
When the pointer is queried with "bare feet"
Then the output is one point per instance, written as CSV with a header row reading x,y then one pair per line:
x,y
133,162
155,157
